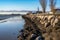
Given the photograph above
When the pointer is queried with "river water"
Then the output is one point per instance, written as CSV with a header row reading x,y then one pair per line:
x,y
9,28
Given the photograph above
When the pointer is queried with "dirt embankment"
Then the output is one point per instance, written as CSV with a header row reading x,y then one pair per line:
x,y
40,27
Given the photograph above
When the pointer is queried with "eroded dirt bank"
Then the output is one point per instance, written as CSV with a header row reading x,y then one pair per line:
x,y
41,27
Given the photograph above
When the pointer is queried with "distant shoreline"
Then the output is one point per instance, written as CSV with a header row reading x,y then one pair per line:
x,y
2,16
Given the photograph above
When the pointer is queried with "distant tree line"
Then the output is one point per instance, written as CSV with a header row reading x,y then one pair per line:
x,y
44,5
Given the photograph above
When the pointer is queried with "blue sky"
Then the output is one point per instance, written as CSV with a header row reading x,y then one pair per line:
x,y
22,4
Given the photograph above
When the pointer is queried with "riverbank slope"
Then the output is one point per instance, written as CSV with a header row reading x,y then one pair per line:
x,y
41,26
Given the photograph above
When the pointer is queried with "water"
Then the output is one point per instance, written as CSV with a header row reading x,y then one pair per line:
x,y
9,28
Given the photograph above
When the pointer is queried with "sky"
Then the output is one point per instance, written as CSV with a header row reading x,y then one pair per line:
x,y
23,5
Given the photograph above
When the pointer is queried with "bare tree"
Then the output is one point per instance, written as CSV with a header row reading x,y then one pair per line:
x,y
43,4
52,6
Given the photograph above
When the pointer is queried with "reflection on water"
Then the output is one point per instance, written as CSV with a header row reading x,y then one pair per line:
x,y
9,28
